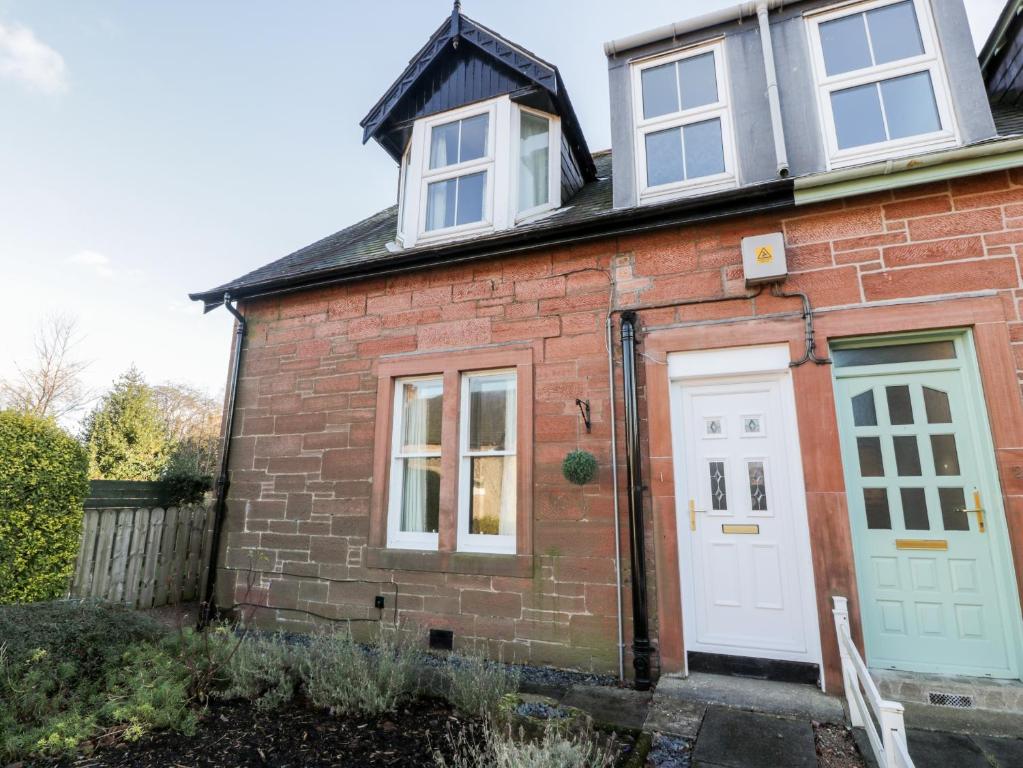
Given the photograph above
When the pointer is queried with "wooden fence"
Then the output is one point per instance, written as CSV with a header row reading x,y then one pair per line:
x,y
143,557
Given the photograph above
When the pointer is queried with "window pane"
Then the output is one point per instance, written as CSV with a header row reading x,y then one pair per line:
x,y
698,81
757,486
440,204
946,458
444,145
875,500
471,190
660,91
910,106
914,509
894,32
864,411
718,494
900,407
907,456
895,353
953,506
474,138
844,42
858,119
492,509
871,463
421,416
939,411
420,500
492,421
534,159
664,157
705,154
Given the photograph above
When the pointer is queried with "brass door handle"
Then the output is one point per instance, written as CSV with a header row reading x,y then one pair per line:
x,y
692,514
978,510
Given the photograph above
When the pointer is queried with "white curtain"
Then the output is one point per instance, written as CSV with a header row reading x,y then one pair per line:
x,y
509,484
534,152
415,436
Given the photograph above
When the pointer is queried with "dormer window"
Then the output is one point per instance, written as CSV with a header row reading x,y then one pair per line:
x,y
881,83
684,139
478,169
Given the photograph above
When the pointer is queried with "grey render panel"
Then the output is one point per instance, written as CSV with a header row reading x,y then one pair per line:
x,y
804,140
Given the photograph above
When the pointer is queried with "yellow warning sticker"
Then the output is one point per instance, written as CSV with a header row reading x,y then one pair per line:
x,y
765,254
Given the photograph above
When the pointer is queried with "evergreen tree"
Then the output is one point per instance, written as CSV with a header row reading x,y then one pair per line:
x,y
125,434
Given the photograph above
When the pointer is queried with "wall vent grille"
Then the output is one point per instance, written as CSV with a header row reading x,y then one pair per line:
x,y
951,700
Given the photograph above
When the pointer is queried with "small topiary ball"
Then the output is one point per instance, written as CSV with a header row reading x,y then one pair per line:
x,y
579,467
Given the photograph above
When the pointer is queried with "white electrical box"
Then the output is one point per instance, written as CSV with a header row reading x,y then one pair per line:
x,y
763,259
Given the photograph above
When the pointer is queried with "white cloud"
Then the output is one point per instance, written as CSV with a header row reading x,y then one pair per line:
x,y
97,262
26,59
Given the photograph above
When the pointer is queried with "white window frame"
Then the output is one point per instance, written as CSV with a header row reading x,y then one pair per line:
x,y
396,538
503,544
930,61
553,163
720,109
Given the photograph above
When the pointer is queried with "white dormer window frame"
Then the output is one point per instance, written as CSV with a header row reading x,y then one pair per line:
x,y
703,113
501,163
930,61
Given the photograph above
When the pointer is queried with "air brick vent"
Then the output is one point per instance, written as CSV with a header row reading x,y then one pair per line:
x,y
950,700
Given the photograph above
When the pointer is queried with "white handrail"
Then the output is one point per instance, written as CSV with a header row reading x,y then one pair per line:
x,y
887,738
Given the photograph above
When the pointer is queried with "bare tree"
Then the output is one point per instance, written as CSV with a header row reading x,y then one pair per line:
x,y
192,420
52,385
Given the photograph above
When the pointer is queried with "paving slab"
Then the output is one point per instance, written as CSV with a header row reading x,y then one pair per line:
x,y
1001,753
785,699
731,738
617,707
934,749
675,716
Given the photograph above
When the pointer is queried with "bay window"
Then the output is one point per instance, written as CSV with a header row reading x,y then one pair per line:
x,y
454,452
881,83
478,169
683,129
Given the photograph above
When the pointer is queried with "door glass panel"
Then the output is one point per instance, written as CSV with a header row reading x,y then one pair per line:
x,y
875,500
900,407
938,409
718,495
914,509
946,459
757,486
953,509
894,353
907,455
871,463
864,411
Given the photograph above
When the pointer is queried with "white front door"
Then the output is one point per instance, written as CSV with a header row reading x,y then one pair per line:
x,y
747,583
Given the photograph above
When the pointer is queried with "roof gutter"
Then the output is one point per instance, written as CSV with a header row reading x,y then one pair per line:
x,y
680,28
894,174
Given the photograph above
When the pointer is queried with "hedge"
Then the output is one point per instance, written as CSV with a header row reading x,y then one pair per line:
x,y
43,482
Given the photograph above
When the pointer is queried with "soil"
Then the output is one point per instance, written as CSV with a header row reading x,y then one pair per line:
x,y
836,747
236,734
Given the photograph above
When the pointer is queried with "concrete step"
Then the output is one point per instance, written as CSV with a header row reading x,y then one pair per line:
x,y
784,699
950,692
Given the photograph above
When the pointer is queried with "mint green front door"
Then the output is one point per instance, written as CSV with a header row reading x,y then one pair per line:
x,y
935,583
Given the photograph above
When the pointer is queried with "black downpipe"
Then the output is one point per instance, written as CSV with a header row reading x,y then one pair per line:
x,y
637,538
209,608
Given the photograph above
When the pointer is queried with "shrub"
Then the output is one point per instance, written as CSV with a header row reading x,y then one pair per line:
x,y
339,675
475,685
183,487
488,747
42,486
263,670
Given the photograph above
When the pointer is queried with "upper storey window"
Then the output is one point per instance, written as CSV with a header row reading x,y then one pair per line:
x,y
684,135
881,84
478,169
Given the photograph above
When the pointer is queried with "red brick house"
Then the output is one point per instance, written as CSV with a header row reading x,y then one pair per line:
x,y
782,314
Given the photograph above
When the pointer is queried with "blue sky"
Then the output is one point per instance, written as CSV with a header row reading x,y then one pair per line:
x,y
152,149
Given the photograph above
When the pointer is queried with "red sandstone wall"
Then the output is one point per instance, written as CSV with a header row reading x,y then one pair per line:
x,y
302,457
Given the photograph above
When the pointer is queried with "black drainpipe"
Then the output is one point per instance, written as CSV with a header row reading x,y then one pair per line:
x,y
209,608
637,539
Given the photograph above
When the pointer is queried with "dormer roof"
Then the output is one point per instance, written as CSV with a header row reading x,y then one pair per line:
x,y
464,62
